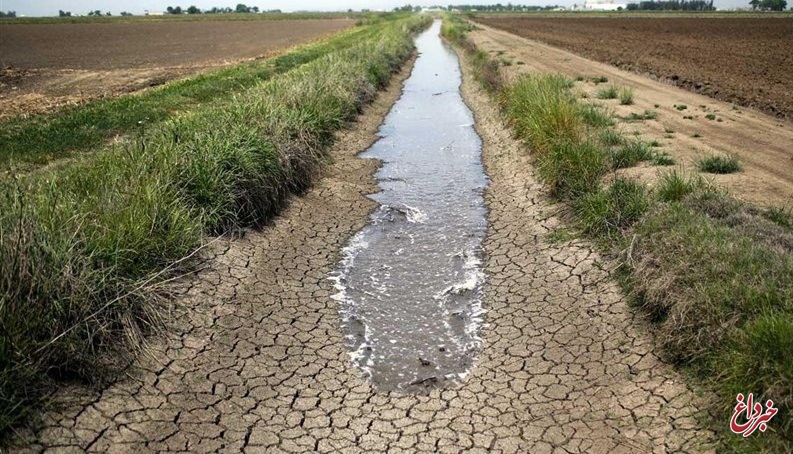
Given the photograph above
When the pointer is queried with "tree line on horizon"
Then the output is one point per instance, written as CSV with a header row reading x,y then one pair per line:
x,y
672,5
501,7
240,8
768,5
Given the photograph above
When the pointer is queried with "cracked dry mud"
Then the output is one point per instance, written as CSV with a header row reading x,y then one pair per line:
x,y
257,361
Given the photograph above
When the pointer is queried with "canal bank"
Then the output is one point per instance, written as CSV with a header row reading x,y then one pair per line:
x,y
260,362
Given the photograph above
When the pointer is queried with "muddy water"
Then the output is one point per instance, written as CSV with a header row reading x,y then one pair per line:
x,y
410,282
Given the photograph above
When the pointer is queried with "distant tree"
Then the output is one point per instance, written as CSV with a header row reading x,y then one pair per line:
x,y
174,10
773,5
108,13
8,14
62,13
193,10
255,9
672,5
242,8
124,13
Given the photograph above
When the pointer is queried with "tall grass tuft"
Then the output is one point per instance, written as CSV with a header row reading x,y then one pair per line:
x,y
542,110
630,154
610,92
607,212
719,164
626,96
595,115
674,185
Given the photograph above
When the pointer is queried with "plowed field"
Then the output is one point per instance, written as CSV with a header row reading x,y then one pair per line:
x,y
43,66
745,60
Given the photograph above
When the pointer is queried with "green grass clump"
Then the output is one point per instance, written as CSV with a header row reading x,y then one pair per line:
x,y
595,115
719,164
455,29
607,212
542,110
674,185
646,115
710,116
662,159
630,154
600,80
611,138
572,168
626,96
610,92
780,216
560,236
85,246
681,106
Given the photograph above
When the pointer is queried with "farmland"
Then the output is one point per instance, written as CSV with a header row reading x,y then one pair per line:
x,y
741,59
398,233
47,65
688,193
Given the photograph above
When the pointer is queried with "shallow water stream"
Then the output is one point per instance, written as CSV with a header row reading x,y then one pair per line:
x,y
409,284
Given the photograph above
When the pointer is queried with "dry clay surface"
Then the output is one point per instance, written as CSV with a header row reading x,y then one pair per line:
x,y
764,144
258,363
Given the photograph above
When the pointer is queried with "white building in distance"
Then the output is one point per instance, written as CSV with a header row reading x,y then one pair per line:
x,y
604,5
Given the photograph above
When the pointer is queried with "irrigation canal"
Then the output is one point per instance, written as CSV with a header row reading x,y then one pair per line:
x,y
410,282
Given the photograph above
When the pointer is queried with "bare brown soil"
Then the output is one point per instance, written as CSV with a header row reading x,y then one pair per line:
x,y
746,60
764,144
43,66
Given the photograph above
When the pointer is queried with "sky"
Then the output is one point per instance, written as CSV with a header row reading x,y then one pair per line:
x,y
51,7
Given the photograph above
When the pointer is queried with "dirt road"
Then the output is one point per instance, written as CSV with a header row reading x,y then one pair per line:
x,y
763,143
258,361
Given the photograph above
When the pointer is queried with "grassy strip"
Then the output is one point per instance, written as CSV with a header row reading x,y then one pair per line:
x,y
84,247
31,141
714,275
181,18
